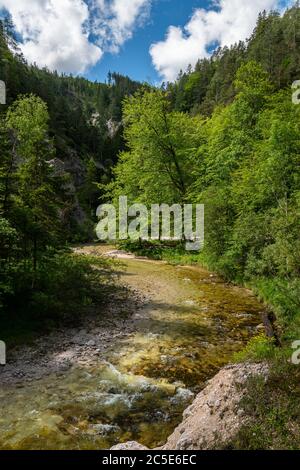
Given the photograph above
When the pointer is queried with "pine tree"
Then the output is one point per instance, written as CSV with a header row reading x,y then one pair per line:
x,y
37,213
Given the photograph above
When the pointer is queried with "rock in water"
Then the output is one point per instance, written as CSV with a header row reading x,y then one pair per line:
x,y
132,445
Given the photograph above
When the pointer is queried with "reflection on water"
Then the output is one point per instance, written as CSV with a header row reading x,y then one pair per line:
x,y
188,330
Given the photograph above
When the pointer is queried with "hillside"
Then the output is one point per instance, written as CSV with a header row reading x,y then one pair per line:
x,y
274,44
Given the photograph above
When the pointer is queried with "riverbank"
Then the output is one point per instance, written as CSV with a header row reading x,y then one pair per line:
x,y
79,344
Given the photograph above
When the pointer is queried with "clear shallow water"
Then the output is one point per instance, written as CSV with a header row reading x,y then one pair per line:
x,y
190,329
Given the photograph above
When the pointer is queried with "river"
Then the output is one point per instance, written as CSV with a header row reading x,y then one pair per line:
x,y
188,328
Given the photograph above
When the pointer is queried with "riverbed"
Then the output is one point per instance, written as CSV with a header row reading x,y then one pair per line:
x,y
133,382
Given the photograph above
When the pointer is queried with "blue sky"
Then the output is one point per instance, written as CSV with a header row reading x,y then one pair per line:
x,y
149,40
134,58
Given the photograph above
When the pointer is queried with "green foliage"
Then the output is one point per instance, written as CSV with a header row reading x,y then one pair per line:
x,y
65,285
162,149
36,204
172,252
226,134
28,117
59,135
259,348
242,163
8,240
283,296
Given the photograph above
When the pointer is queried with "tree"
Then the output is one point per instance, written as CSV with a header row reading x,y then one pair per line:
x,y
36,213
162,149
7,167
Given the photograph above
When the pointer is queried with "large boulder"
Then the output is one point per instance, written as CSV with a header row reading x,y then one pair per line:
x,y
216,414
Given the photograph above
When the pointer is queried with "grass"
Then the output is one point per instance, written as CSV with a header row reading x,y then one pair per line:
x,y
272,408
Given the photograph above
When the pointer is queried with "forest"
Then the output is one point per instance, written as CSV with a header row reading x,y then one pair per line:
x,y
226,134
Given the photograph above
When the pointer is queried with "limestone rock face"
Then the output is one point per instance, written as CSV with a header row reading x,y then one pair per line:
x,y
113,127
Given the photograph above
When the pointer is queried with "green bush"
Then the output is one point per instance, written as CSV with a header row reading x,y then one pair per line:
x,y
259,348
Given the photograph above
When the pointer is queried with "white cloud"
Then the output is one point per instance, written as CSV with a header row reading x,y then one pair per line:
x,y
57,33
53,33
227,23
114,20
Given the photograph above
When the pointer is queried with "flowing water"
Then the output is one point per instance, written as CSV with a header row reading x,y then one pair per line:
x,y
188,330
